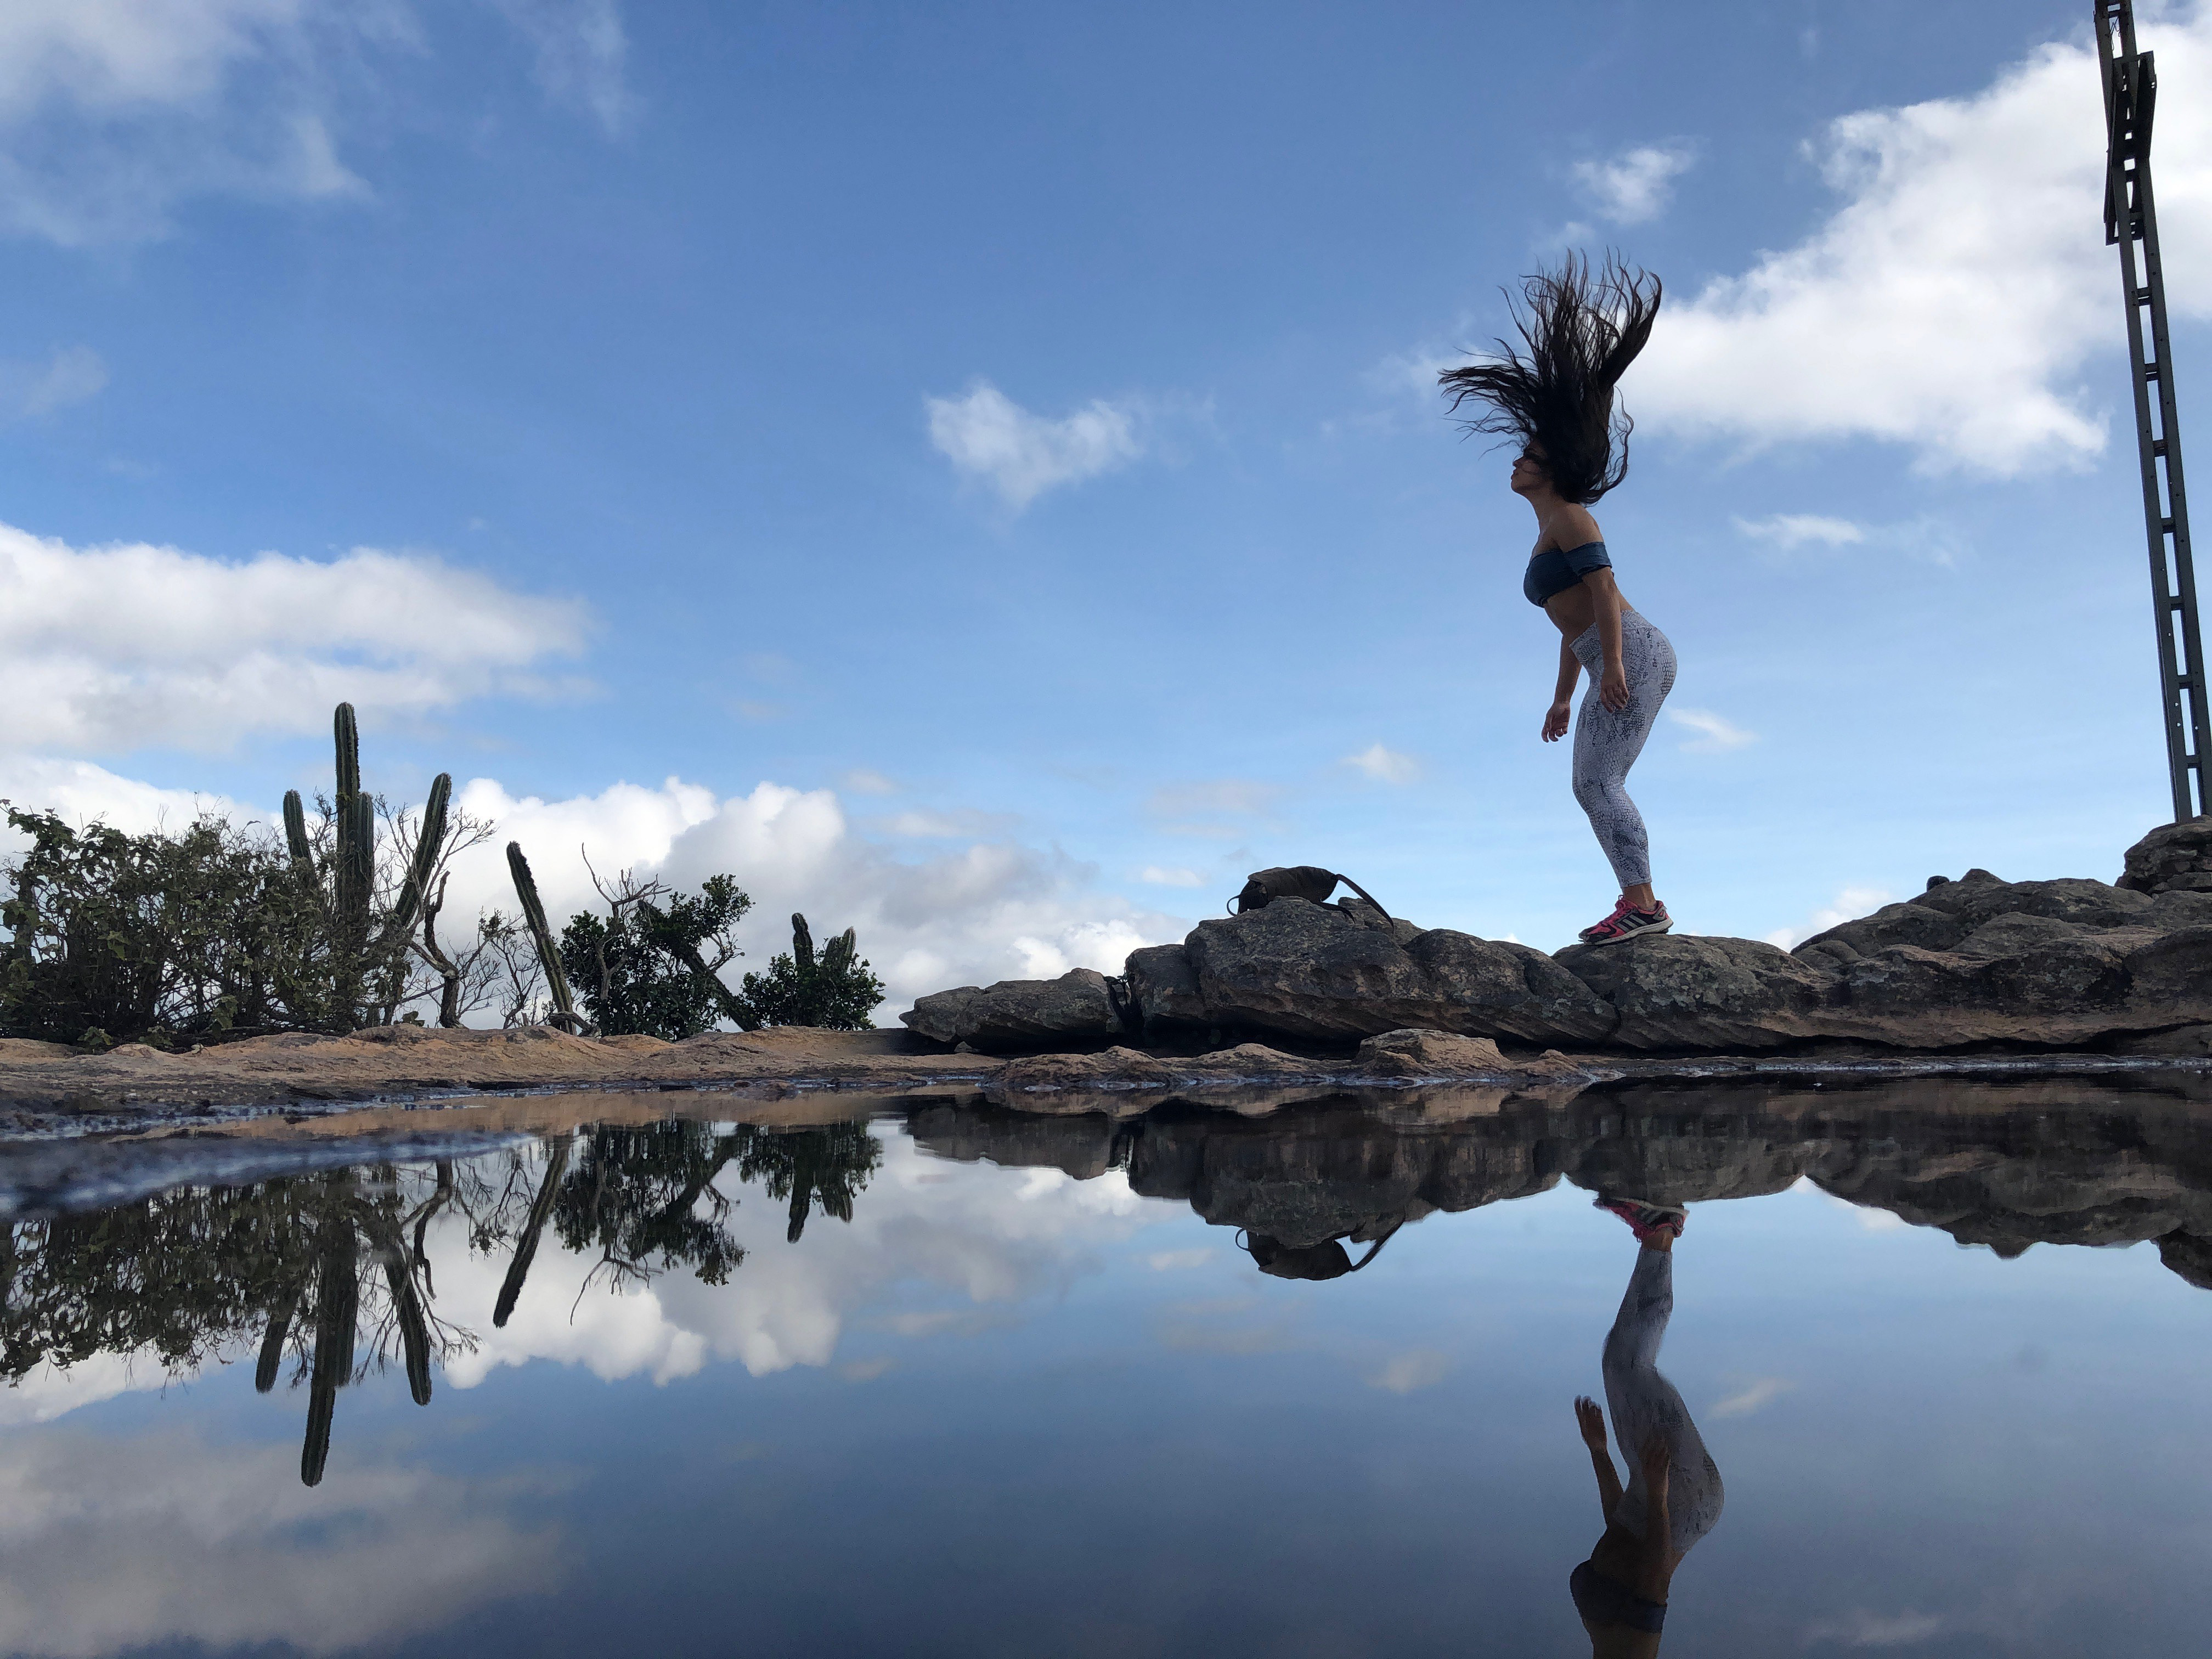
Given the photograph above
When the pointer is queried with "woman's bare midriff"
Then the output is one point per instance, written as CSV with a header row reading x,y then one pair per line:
x,y
1573,610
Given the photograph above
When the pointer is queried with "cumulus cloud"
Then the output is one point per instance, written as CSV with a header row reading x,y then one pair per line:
x,y
988,436
115,647
1405,1373
1384,765
1850,903
114,112
1715,735
1637,185
115,1543
1953,301
580,49
996,1241
1792,531
66,376
970,914
1155,875
1926,538
1754,1395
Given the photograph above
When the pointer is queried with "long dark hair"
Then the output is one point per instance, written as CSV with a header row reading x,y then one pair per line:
x,y
1581,331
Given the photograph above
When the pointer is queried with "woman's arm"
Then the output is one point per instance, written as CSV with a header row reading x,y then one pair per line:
x,y
1605,594
1591,1421
1562,708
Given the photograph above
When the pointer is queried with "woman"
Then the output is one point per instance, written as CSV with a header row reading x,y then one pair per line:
x,y
1675,1493
1581,332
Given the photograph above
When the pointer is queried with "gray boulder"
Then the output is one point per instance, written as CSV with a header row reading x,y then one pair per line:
x,y
2173,858
1163,987
1687,991
1076,1009
1310,970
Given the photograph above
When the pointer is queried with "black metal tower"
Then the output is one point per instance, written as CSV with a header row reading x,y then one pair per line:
x,y
2132,217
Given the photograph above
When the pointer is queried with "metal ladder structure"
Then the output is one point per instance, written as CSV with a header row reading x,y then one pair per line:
x,y
2131,217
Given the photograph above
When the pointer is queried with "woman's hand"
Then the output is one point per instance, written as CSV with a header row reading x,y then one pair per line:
x,y
1591,1421
1555,720
1613,689
1658,1459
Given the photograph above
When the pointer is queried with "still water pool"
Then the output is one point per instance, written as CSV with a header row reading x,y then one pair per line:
x,y
946,1379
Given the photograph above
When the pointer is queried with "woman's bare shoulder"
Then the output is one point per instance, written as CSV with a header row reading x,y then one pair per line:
x,y
1577,528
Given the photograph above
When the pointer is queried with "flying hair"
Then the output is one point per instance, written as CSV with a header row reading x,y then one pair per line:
x,y
1581,331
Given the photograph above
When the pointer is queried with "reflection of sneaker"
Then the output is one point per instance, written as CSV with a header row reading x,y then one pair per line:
x,y
1626,923
1644,1220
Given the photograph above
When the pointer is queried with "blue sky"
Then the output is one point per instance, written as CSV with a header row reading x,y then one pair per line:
x,y
983,456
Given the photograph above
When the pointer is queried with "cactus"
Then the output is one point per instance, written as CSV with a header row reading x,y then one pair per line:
x,y
429,843
549,952
348,736
273,1340
295,830
838,955
338,1300
541,1207
802,944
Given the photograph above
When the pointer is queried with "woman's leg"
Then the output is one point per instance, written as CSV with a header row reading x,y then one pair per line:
x,y
1608,742
1642,1403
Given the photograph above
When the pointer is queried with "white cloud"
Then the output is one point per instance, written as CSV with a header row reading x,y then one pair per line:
x,y
862,781
116,648
81,791
124,1542
1872,1629
1420,1368
1715,733
1637,185
1792,531
987,436
1850,903
580,48
1758,1393
971,915
966,1228
1154,875
114,112
1384,765
68,374
1926,538
1953,300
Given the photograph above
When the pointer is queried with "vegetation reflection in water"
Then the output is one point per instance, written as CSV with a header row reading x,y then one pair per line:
x,y
328,1274
325,1276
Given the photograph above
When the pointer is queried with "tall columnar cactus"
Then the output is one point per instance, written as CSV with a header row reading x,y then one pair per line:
x,y
838,955
802,944
295,830
549,950
348,736
429,842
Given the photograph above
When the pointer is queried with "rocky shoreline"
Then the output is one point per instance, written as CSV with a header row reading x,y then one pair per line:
x,y
1975,976
1977,962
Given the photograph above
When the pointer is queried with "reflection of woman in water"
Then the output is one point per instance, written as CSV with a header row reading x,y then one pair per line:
x,y
1673,1495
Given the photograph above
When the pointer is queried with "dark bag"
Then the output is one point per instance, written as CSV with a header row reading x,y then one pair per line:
x,y
1305,881
1325,1260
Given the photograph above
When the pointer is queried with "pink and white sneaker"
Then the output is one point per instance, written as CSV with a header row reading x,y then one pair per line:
x,y
1645,1220
1591,932
1626,921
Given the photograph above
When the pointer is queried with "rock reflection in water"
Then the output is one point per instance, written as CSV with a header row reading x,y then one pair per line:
x,y
2005,1166
326,1275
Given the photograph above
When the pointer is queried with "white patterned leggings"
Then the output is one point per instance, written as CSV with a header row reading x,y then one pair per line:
x,y
1607,743
1644,1402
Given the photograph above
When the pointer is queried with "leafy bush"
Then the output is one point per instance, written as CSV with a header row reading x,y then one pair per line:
x,y
646,968
139,937
836,990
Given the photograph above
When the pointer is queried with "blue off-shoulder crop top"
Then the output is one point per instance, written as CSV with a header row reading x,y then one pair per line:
x,y
1554,572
